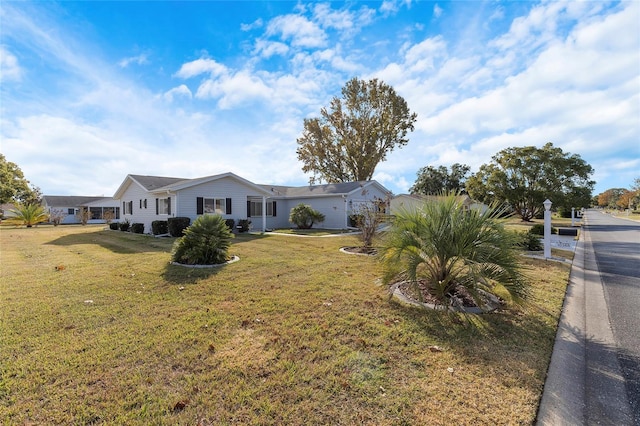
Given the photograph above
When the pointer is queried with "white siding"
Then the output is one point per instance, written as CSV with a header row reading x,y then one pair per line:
x,y
135,193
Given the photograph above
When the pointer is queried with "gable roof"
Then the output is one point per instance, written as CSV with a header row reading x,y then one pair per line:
x,y
329,189
69,200
148,183
187,183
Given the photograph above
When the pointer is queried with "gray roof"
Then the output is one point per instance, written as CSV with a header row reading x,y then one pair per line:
x,y
69,200
315,190
151,183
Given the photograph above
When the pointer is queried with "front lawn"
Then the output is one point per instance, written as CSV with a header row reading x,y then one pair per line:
x,y
97,328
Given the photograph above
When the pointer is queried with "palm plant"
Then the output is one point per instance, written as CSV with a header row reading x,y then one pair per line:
x,y
442,249
205,242
30,214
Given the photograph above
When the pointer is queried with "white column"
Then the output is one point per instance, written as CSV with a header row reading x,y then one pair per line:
x,y
547,229
264,214
573,216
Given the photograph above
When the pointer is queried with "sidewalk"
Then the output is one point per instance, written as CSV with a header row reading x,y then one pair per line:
x,y
584,382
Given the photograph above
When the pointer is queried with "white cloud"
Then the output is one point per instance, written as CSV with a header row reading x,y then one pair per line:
x,y
201,66
9,67
300,31
141,59
437,11
255,24
267,48
182,91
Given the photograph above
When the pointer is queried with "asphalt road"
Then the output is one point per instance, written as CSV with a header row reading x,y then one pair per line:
x,y
616,246
594,374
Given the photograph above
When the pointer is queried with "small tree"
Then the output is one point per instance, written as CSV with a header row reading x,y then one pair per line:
x,y
205,242
368,217
56,216
30,214
108,215
83,215
304,216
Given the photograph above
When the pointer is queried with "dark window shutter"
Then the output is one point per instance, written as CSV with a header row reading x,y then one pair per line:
x,y
141,203
124,208
274,208
199,205
248,208
228,206
157,208
168,205
131,207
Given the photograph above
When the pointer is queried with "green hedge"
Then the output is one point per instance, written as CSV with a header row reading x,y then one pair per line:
x,y
159,227
177,225
137,228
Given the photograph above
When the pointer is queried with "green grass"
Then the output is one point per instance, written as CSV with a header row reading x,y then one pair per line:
x,y
97,327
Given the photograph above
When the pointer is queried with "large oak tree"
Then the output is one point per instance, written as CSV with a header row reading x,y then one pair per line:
x,y
14,187
435,180
355,133
524,177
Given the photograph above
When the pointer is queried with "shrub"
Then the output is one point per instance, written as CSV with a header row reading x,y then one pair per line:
x,y
56,216
244,225
206,242
538,229
230,223
137,228
445,251
530,241
124,226
177,225
113,226
29,214
304,216
159,227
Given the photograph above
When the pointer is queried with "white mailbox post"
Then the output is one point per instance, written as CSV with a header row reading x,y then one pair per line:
x,y
547,228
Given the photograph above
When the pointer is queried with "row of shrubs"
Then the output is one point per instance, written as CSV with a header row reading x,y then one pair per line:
x,y
174,226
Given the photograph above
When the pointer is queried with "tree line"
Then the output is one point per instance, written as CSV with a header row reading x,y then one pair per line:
x,y
370,120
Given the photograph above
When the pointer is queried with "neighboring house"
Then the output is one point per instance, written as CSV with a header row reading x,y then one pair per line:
x,y
415,201
144,199
6,211
70,205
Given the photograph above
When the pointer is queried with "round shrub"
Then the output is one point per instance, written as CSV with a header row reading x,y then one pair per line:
x,y
205,242
177,225
124,226
304,216
538,229
159,227
113,226
137,228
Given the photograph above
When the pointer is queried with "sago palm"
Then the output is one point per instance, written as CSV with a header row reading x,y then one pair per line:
x,y
442,247
30,214
205,242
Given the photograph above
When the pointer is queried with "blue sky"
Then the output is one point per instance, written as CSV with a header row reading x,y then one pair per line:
x,y
93,91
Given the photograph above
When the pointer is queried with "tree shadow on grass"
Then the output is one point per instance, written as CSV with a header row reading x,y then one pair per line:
x,y
117,242
177,274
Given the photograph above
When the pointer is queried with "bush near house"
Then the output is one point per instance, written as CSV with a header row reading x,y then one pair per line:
x,y
205,242
114,226
177,225
137,228
124,226
244,225
230,223
159,227
304,216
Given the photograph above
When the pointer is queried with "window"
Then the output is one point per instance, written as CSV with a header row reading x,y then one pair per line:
x,y
163,205
255,208
213,205
127,207
71,211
